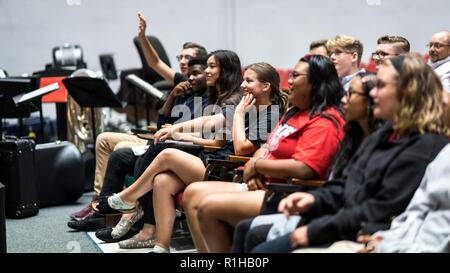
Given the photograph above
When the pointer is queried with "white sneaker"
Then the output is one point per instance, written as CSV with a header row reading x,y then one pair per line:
x,y
117,203
160,249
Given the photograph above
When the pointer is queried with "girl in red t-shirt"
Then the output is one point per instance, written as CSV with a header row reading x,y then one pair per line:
x,y
301,145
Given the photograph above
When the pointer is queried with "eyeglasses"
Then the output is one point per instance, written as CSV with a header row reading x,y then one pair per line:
x,y
351,92
187,57
295,74
380,55
436,45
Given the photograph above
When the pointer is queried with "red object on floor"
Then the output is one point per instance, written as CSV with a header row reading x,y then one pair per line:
x,y
59,95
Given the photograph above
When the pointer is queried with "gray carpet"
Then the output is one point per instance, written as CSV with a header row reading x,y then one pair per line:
x,y
48,232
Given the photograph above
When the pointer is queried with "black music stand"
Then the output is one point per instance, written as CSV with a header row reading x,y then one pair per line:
x,y
33,99
11,87
92,93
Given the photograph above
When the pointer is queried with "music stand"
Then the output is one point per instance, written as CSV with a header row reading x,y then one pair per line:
x,y
11,87
33,98
92,93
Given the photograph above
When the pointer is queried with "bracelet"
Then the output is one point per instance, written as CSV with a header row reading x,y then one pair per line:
x,y
254,165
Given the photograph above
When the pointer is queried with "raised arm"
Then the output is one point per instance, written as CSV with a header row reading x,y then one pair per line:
x,y
152,57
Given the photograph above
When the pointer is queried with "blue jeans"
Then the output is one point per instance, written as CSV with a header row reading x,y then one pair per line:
x,y
281,244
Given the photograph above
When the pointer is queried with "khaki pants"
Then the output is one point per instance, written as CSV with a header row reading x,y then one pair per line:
x,y
107,143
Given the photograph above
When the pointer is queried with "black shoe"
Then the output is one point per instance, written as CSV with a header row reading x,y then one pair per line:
x,y
104,234
92,222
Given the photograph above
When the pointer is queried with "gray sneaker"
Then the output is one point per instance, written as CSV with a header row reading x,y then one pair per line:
x,y
134,243
124,225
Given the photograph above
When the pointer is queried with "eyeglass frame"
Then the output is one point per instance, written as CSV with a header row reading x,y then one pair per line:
x,y
350,92
385,54
294,74
187,57
430,45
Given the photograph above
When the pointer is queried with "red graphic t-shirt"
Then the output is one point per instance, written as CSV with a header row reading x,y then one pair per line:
x,y
312,141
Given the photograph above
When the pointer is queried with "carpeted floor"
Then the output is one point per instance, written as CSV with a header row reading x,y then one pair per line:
x,y
47,232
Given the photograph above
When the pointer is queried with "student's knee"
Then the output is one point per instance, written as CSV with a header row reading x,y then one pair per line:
x,y
190,195
158,183
168,153
121,145
208,207
102,140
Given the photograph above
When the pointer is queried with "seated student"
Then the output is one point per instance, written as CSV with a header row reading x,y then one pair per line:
x,y
122,161
386,170
223,74
301,145
319,47
106,142
390,46
424,225
346,53
360,123
261,93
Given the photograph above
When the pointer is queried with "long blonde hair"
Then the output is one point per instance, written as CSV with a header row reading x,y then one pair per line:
x,y
420,96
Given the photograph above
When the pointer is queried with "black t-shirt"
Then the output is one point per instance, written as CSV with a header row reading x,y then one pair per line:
x,y
178,78
258,125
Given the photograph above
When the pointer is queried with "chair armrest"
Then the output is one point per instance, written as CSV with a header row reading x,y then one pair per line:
x,y
223,170
211,148
306,182
239,158
143,134
283,187
225,163
152,129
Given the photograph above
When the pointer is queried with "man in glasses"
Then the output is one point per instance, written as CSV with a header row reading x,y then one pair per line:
x,y
345,53
390,46
439,50
188,52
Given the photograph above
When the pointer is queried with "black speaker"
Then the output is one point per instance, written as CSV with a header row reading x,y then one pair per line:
x,y
2,220
59,173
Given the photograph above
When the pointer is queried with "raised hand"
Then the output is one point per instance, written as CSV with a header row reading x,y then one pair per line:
x,y
142,24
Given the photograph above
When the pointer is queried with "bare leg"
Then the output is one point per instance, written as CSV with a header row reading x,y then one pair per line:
x,y
219,213
192,196
146,233
165,186
187,167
